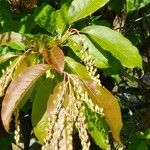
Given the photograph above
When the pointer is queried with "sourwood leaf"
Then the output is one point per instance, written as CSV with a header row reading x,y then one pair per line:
x,y
97,128
82,8
57,58
6,57
74,67
17,90
135,5
15,68
13,40
104,99
54,20
116,43
74,42
42,122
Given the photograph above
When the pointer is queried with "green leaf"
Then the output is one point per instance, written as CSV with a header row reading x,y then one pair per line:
x,y
25,61
76,68
75,43
39,119
97,127
117,5
13,40
144,135
104,99
81,8
41,122
50,19
142,146
60,19
116,43
135,5
17,90
4,11
5,142
42,16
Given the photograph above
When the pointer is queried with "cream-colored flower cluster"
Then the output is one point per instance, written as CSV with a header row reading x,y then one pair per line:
x,y
17,127
55,123
89,62
63,119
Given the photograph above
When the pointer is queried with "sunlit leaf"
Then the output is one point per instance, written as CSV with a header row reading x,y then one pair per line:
x,y
57,57
6,57
81,8
15,68
134,5
54,21
7,75
75,44
97,128
17,90
41,121
116,43
104,99
26,61
76,68
13,40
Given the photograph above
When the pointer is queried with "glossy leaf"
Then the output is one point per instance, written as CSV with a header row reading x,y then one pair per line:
x,y
97,127
104,99
55,21
76,68
17,90
114,42
75,44
81,9
40,122
44,12
39,108
134,5
13,40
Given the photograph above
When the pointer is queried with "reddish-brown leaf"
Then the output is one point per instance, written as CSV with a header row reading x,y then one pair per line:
x,y
58,59
104,99
55,58
17,90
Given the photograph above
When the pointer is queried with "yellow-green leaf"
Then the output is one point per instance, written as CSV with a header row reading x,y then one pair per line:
x,y
81,8
115,43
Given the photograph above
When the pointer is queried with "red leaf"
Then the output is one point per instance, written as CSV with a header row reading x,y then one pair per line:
x,y
17,90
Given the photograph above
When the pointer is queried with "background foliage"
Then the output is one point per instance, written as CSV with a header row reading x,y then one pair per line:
x,y
117,35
